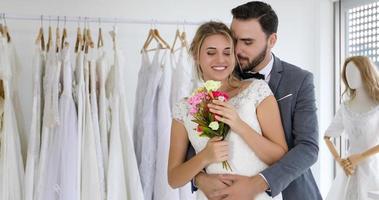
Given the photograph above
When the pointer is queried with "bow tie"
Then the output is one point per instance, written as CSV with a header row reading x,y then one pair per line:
x,y
248,75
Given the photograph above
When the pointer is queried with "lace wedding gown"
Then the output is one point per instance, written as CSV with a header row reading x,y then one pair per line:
x,y
362,131
242,158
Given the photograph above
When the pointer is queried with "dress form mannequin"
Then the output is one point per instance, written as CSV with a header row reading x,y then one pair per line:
x,y
358,119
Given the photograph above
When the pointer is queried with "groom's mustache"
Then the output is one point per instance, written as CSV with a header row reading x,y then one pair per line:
x,y
243,59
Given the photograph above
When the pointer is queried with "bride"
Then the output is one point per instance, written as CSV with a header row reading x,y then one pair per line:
x,y
256,139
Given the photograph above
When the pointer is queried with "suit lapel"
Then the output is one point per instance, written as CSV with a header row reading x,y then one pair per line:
x,y
276,75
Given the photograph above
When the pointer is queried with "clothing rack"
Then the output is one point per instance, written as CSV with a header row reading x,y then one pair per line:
x,y
78,19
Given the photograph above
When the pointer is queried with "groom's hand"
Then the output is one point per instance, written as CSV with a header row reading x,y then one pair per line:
x,y
209,183
242,188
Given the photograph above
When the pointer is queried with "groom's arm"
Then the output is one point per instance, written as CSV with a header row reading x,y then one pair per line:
x,y
305,133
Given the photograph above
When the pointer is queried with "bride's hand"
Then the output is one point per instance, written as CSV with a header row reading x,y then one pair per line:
x,y
227,114
216,150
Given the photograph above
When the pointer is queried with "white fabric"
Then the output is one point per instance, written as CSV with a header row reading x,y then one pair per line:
x,y
48,164
362,131
145,135
242,158
182,82
15,95
35,129
102,72
95,119
11,164
162,190
123,175
68,131
79,95
143,80
91,167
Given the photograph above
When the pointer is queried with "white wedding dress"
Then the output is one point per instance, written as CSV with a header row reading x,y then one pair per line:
x,y
48,165
145,133
162,190
79,98
242,158
11,163
92,171
69,188
123,177
35,129
362,131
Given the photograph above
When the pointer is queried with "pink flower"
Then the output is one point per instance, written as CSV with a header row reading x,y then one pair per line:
x,y
193,111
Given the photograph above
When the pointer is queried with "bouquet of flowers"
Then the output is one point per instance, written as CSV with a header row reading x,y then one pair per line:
x,y
207,125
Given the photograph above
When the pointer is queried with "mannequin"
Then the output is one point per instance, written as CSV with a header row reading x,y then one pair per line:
x,y
358,117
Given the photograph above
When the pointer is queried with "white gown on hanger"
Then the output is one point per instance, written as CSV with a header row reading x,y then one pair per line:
x,y
91,181
16,69
162,190
11,164
79,96
121,143
48,164
362,131
146,132
68,131
143,76
102,74
182,84
35,129
242,158
95,119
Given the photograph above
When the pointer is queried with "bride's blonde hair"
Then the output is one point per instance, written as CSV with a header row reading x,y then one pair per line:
x,y
369,74
205,30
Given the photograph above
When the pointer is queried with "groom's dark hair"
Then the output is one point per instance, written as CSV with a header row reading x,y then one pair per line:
x,y
261,11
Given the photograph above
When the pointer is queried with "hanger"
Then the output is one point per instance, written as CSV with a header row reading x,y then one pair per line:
x,y
57,37
177,37
79,38
50,37
154,35
84,42
40,38
89,38
184,41
64,43
113,36
182,37
1,29
100,41
89,41
5,29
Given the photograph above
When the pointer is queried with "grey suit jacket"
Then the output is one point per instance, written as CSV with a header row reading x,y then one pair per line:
x,y
292,174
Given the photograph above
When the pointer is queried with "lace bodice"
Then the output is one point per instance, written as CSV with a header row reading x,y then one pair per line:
x,y
243,160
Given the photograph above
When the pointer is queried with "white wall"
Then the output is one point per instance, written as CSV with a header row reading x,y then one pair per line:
x,y
305,39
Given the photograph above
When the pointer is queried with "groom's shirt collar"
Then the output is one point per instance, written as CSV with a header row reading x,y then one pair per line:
x,y
267,69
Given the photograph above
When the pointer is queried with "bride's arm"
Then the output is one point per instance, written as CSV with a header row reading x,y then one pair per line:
x,y
271,145
180,172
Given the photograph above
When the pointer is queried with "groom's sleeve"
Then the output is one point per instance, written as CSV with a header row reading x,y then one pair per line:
x,y
305,141
191,153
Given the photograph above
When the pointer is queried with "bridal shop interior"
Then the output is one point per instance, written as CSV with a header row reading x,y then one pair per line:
x,y
312,34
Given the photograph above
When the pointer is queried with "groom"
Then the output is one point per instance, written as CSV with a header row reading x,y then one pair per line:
x,y
254,26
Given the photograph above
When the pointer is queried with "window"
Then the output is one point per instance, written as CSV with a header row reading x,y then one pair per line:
x,y
362,31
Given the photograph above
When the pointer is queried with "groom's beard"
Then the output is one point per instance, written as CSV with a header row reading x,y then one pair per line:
x,y
255,62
